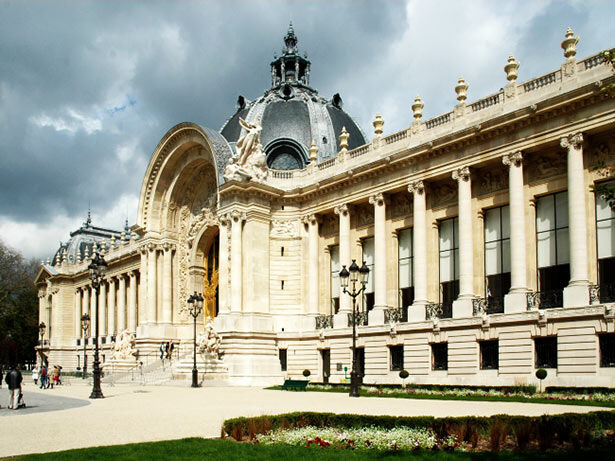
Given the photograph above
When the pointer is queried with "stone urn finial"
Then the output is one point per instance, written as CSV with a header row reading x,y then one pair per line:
x,y
344,139
378,124
417,108
462,90
569,44
313,152
511,68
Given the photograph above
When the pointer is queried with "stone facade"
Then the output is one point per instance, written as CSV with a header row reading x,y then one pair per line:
x,y
277,244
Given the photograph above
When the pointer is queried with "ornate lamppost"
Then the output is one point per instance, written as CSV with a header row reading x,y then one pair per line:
x,y
41,328
85,326
98,268
195,306
361,275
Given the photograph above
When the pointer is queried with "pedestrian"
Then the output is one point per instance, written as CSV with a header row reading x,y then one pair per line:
x,y
13,380
162,350
171,350
166,349
141,373
55,376
43,376
35,375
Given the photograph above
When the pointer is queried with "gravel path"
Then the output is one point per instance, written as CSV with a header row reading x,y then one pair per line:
x,y
64,418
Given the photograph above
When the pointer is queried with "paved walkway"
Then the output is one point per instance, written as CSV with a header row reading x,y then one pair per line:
x,y
64,417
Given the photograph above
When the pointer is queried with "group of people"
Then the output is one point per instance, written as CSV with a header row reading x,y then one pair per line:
x,y
13,381
43,374
166,350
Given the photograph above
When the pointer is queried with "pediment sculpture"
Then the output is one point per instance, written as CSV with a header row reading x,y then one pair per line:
x,y
249,161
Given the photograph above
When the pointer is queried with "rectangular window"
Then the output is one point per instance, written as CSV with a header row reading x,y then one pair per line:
x,y
489,355
607,350
405,268
605,242
439,356
449,263
497,257
546,352
552,243
283,353
397,357
367,247
334,252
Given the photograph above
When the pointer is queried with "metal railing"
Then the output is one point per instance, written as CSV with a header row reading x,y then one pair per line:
x,y
438,311
488,305
361,319
544,299
324,321
396,315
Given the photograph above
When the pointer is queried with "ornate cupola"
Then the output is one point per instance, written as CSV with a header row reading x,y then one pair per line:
x,y
290,67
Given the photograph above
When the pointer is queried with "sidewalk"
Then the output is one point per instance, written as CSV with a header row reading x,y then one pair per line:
x,y
139,414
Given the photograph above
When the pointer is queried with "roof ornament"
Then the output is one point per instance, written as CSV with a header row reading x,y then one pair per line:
x,y
88,220
290,40
569,44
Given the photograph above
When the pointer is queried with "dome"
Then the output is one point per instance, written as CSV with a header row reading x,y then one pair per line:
x,y
292,115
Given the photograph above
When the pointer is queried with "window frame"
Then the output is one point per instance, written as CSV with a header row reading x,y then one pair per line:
x,y
434,366
396,363
543,341
482,345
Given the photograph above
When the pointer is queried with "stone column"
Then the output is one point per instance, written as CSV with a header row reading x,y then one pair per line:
x,y
419,251
121,303
167,283
344,213
237,219
102,310
93,318
132,302
376,316
85,305
577,291
112,307
223,265
462,306
151,283
142,287
311,222
77,312
515,300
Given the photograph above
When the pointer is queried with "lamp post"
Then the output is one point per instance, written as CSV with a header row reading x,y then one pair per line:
x,y
98,268
41,328
195,306
85,326
361,275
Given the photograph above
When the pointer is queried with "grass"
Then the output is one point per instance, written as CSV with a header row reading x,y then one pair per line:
x,y
488,398
199,449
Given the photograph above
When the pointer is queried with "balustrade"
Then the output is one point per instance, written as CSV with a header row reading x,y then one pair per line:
x,y
324,321
544,299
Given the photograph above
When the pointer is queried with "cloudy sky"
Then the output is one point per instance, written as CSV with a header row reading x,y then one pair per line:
x,y
88,88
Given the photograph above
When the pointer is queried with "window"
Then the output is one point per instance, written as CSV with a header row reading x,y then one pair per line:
x,y
605,241
367,247
283,353
334,252
397,357
546,352
607,350
449,264
281,251
405,268
489,355
552,244
439,356
497,257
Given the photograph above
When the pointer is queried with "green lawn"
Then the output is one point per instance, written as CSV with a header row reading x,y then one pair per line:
x,y
489,398
204,449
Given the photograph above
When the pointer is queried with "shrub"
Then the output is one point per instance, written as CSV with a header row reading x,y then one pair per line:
x,y
541,374
498,433
523,430
306,373
403,374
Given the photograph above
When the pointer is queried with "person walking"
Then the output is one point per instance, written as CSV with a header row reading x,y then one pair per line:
x,y
43,376
171,350
166,349
35,372
13,381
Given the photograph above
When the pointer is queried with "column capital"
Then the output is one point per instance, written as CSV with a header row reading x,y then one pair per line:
x,y
513,159
238,216
152,247
168,246
416,187
311,219
377,199
462,173
574,140
133,273
224,219
342,209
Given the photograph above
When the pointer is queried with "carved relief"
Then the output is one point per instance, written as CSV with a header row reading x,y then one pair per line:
x,y
545,165
600,157
330,224
443,193
284,229
401,204
364,214
492,180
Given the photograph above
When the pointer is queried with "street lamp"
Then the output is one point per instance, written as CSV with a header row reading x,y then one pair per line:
x,y
85,326
195,306
361,275
41,328
98,268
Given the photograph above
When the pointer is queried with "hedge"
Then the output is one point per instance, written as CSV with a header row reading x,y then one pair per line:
x,y
546,430
579,390
529,389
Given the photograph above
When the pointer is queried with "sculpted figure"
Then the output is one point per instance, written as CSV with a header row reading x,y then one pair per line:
x,y
209,341
124,346
248,142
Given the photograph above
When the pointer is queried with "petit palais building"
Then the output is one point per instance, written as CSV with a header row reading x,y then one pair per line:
x,y
487,231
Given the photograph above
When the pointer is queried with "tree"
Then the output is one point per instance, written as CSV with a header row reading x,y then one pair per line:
x,y
18,308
